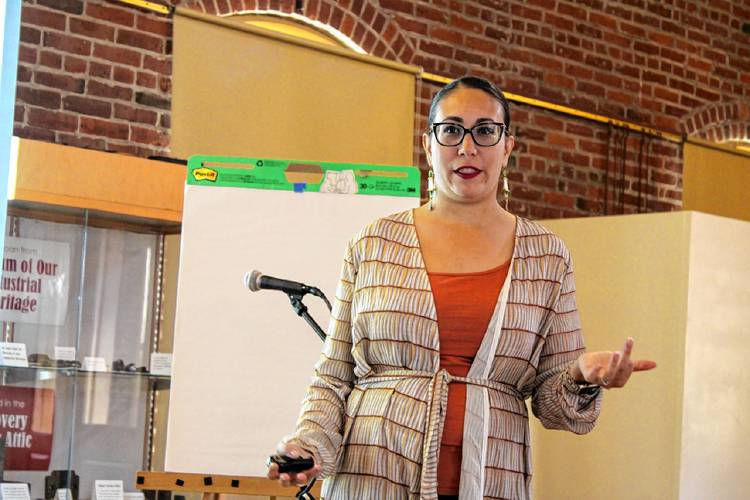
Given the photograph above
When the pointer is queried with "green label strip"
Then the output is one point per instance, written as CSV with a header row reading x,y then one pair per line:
x,y
303,176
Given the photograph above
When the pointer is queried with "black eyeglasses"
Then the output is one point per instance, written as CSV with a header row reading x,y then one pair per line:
x,y
484,134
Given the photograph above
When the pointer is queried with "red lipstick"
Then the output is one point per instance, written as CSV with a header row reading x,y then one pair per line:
x,y
467,172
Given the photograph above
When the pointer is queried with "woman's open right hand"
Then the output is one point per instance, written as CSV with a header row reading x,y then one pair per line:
x,y
291,478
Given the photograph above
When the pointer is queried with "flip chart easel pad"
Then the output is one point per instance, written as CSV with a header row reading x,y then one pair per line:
x,y
242,360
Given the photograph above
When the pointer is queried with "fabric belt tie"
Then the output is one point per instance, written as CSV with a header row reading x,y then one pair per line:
x,y
436,407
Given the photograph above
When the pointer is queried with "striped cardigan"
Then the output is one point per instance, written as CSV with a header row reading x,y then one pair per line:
x,y
373,415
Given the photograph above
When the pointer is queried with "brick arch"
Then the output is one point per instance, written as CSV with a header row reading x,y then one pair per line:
x,y
362,21
720,122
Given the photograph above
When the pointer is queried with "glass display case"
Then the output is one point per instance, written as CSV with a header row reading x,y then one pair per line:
x,y
81,311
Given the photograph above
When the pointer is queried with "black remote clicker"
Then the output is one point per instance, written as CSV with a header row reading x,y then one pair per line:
x,y
290,464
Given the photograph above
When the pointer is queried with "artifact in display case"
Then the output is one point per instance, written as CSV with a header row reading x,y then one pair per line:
x,y
66,480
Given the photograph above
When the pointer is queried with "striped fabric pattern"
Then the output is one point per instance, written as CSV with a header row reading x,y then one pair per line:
x,y
373,412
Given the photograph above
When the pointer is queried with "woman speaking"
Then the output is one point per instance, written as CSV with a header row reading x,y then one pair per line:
x,y
446,318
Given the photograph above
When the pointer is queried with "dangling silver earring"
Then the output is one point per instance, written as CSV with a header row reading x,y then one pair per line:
x,y
430,188
506,188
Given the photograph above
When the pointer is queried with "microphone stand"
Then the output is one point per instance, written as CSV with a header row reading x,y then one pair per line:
x,y
301,310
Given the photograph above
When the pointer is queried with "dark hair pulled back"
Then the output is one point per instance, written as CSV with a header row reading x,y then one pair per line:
x,y
470,82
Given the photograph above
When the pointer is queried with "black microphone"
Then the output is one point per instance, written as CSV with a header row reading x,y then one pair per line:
x,y
255,281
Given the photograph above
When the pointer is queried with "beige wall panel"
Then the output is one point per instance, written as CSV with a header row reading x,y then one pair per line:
x,y
715,453
169,291
631,275
166,339
248,92
716,182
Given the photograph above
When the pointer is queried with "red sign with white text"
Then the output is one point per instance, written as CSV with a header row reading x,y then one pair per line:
x,y
27,418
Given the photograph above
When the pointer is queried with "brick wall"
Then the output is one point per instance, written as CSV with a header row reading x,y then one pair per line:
x,y
96,74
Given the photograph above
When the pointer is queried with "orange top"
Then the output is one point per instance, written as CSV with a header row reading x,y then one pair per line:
x,y
464,304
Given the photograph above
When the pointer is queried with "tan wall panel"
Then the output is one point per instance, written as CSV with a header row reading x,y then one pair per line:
x,y
716,182
169,291
715,432
166,341
631,275
241,93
